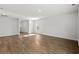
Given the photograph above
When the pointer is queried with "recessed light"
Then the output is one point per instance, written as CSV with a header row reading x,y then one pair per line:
x,y
3,14
39,10
33,18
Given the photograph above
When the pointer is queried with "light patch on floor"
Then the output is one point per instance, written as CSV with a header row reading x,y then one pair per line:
x,y
28,35
37,39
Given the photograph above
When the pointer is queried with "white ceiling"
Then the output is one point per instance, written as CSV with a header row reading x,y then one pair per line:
x,y
42,10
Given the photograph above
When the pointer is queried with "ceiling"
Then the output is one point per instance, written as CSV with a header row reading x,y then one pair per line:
x,y
35,10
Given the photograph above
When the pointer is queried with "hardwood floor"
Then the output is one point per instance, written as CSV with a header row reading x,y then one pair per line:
x,y
37,44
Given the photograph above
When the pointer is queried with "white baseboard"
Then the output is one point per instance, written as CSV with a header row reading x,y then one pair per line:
x,y
59,36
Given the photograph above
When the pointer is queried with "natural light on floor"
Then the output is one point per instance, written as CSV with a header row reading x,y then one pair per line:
x,y
29,35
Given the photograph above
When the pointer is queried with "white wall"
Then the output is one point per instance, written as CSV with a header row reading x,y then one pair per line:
x,y
24,26
28,26
78,23
63,25
8,26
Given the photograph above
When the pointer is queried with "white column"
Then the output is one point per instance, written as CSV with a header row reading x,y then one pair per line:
x,y
30,26
33,26
36,25
19,27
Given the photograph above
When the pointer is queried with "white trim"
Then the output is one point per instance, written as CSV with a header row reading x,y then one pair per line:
x,y
59,36
78,42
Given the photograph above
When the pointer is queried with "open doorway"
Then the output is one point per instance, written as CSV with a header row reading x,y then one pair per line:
x,y
27,28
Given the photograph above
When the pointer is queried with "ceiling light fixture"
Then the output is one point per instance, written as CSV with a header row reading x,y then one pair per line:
x,y
33,18
3,14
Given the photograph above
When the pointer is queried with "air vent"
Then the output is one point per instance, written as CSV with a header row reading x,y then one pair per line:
x,y
73,4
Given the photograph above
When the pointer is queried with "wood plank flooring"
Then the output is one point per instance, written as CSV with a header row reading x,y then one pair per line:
x,y
37,44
